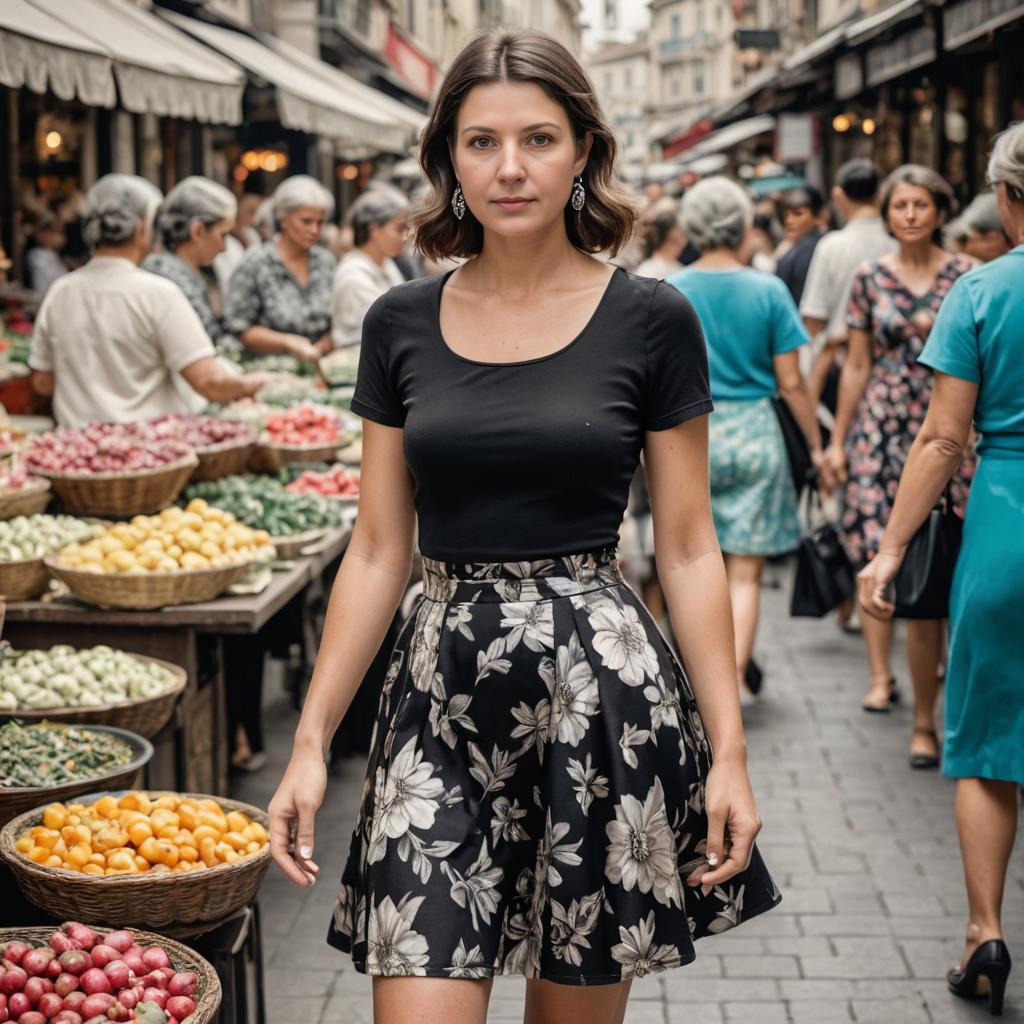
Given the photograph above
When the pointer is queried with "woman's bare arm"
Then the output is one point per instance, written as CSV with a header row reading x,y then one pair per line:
x,y
692,575
267,341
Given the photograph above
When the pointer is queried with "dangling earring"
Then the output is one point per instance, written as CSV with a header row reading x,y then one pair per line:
x,y
458,203
579,193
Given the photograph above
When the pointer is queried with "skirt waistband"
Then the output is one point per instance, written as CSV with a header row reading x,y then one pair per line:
x,y
539,580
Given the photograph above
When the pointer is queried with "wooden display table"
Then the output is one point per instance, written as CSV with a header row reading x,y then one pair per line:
x,y
192,751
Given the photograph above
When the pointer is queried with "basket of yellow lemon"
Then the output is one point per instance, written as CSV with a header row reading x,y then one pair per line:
x,y
179,556
177,861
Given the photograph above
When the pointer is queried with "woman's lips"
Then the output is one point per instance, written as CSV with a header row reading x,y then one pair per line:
x,y
513,204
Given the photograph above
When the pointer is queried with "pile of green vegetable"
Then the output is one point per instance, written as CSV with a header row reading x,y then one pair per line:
x,y
65,678
36,536
49,754
262,503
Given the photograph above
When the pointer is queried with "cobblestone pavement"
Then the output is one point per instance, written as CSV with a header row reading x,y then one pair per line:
x,y
863,848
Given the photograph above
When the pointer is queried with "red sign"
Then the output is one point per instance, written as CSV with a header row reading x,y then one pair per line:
x,y
682,142
411,63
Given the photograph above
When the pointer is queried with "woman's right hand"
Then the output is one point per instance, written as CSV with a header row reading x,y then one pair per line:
x,y
302,348
835,460
292,811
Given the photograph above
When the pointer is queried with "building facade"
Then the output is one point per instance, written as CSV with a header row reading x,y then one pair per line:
x,y
620,76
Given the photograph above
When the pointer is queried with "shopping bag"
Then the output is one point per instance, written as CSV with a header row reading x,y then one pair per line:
x,y
925,578
801,467
824,574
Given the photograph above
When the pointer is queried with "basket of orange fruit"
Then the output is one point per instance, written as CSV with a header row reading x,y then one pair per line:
x,y
181,862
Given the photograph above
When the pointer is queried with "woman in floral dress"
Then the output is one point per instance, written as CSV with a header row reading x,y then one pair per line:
x,y
883,397
550,792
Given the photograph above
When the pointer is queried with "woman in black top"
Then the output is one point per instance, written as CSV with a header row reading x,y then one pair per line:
x,y
539,797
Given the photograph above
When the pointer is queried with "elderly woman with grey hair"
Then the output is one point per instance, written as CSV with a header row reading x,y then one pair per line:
x,y
378,220
753,331
884,392
192,225
279,297
115,343
976,348
985,237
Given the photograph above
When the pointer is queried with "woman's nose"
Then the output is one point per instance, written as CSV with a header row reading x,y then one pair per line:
x,y
511,166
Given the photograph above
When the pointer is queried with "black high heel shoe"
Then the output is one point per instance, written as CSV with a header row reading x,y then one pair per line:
x,y
990,960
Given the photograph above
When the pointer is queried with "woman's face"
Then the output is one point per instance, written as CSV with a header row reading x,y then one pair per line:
x,y
209,239
515,155
1011,213
302,225
913,215
390,236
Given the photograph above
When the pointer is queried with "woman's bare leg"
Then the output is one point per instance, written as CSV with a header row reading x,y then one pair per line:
x,y
550,1003
654,598
878,641
744,574
430,1000
986,822
924,654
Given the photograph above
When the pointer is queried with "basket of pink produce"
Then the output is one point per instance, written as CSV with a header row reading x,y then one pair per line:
x,y
223,447
111,469
306,433
338,482
22,494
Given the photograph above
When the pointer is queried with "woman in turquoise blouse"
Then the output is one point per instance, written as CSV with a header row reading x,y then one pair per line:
x,y
977,350
753,331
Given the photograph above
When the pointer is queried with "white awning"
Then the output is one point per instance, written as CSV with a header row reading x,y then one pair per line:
x,y
824,44
305,100
873,24
399,125
159,71
38,51
731,135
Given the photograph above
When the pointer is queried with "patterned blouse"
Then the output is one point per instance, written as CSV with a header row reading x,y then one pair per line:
x,y
264,292
166,264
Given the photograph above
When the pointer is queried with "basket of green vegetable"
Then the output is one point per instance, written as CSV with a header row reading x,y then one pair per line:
x,y
182,980
42,762
93,686
25,541
292,520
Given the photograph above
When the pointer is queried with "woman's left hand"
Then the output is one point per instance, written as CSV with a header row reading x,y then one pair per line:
x,y
729,802
873,582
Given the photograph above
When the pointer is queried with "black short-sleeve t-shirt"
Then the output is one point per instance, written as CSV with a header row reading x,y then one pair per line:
x,y
526,460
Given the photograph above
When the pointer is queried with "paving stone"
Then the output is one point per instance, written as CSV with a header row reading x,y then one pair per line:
x,y
820,1012
761,966
906,1011
756,1013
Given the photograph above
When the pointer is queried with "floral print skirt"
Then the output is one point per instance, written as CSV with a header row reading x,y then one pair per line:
x,y
534,797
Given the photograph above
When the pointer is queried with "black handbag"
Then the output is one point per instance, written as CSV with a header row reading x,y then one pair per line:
x,y
797,451
925,578
824,574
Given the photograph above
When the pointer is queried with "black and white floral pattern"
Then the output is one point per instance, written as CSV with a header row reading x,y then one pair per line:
x,y
263,291
175,269
535,789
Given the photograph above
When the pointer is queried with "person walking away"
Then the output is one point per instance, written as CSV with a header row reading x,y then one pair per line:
x,y
977,351
986,238
663,241
539,756
883,394
279,298
801,219
378,220
112,340
753,332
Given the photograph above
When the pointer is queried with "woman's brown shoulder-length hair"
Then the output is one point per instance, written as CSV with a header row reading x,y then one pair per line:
x,y
608,218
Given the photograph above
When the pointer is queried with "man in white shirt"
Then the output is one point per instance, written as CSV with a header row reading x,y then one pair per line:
x,y
835,261
115,343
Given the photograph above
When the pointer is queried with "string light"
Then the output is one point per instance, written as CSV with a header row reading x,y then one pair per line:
x,y
841,123
54,140
868,126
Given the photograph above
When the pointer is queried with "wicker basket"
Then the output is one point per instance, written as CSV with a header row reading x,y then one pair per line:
x,y
219,461
25,501
23,579
269,458
145,716
293,545
166,901
208,992
122,494
139,591
17,800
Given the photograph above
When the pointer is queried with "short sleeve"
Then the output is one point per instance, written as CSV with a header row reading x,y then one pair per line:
x,y
40,353
858,312
242,306
816,301
952,345
677,362
788,331
180,333
376,396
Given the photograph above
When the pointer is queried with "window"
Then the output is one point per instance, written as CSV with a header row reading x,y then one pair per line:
x,y
674,26
627,78
700,16
698,77
674,82
608,82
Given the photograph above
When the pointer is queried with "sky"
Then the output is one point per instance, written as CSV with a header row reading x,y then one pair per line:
x,y
632,17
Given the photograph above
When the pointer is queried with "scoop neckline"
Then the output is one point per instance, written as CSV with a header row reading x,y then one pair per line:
x,y
518,362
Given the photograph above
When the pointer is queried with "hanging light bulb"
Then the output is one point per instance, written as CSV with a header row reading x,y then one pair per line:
x,y
841,123
868,126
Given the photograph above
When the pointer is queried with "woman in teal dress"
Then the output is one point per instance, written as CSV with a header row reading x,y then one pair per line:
x,y
977,350
753,330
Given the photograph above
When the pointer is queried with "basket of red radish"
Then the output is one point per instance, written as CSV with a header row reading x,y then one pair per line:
x,y
306,433
116,469
22,494
337,482
80,975
223,447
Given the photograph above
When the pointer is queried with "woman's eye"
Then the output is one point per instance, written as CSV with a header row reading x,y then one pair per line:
x,y
545,138
473,142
